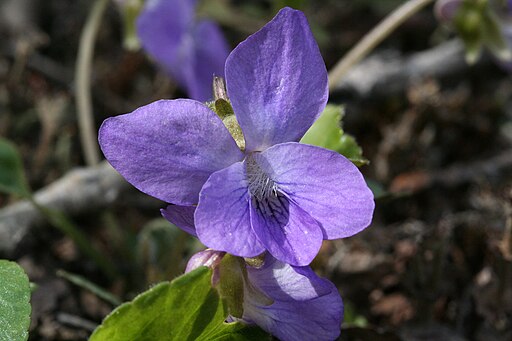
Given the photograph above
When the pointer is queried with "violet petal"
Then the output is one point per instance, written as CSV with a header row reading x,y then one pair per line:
x,y
208,257
190,51
286,231
324,184
222,216
168,148
445,10
306,307
210,52
277,81
287,282
181,216
162,26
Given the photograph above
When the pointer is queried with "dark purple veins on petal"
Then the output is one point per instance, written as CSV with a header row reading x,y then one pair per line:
x,y
266,198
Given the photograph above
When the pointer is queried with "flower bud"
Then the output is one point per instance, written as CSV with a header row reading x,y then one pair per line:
x,y
209,258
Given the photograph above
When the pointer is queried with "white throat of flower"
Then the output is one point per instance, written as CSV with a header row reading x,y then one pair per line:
x,y
267,199
261,186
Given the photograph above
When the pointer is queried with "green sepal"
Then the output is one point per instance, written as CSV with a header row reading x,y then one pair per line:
x,y
223,108
234,285
231,284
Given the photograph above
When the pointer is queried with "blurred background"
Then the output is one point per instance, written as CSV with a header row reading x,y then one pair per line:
x,y
436,264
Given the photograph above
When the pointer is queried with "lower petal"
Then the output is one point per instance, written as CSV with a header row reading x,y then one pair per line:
x,y
324,184
286,231
306,307
316,319
282,281
181,216
222,216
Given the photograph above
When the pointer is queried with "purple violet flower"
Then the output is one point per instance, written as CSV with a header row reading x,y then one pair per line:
x,y
190,50
302,305
276,195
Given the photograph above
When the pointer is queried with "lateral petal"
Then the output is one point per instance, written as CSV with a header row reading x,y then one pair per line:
x,y
181,216
168,148
324,184
222,216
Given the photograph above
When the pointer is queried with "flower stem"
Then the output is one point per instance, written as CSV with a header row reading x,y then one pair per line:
x,y
506,241
83,72
374,38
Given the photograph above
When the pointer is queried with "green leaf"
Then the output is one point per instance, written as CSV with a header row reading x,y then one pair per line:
x,y
237,332
326,132
14,302
352,318
188,308
12,176
351,150
377,189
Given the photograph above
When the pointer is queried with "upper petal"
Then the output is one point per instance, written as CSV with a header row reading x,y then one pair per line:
x,y
277,81
305,306
222,216
324,184
209,57
168,148
190,51
162,26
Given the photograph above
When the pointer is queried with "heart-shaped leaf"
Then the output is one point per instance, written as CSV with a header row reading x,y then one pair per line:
x,y
14,302
188,308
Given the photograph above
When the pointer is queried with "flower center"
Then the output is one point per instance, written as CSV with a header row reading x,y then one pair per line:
x,y
266,197
261,186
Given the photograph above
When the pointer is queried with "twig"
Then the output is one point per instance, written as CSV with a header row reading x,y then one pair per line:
x,y
388,73
79,191
373,38
83,83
